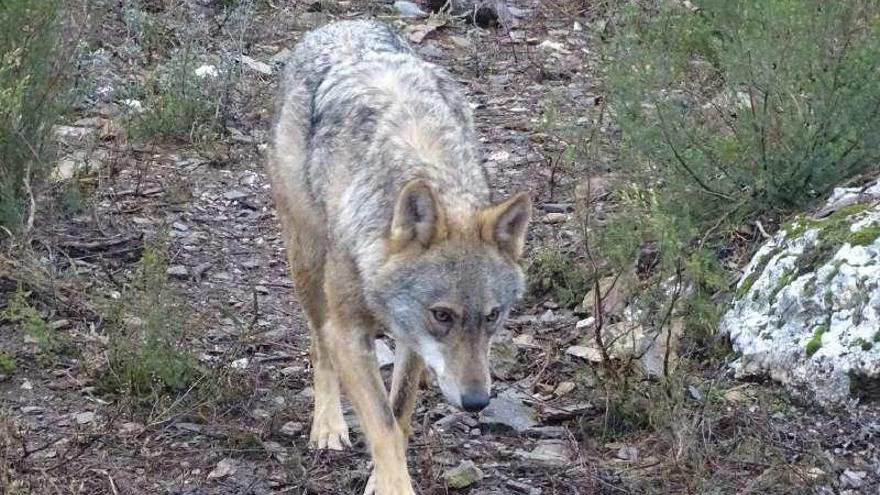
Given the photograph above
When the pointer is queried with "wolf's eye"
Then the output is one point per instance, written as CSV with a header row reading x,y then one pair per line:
x,y
442,316
493,315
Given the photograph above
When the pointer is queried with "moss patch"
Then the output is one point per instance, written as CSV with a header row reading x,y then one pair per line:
x,y
864,236
787,276
7,363
833,231
815,342
750,280
863,344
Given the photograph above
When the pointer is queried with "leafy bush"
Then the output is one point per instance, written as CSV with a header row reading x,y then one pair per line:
x,y
31,322
552,273
734,111
184,101
33,90
147,357
7,363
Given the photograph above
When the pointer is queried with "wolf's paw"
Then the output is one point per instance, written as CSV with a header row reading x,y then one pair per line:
x,y
329,433
400,488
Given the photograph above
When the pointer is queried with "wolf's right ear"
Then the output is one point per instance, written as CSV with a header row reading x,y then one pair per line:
x,y
418,216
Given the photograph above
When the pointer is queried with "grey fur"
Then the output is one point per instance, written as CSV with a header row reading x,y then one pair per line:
x,y
351,128
360,116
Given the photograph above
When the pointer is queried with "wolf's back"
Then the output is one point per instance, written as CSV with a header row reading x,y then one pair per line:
x,y
359,116
334,45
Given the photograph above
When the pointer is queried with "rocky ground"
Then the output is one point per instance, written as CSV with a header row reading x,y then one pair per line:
x,y
555,426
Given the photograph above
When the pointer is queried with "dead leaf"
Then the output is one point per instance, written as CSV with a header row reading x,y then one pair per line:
x,y
224,468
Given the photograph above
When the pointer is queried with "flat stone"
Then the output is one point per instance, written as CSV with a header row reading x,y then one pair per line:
x,y
557,207
177,271
554,218
520,487
585,323
84,418
409,9
547,432
226,467
235,195
292,428
256,65
503,358
464,475
627,453
564,388
591,354
548,453
548,317
508,411
853,479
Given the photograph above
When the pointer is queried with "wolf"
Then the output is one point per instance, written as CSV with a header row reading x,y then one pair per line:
x,y
391,227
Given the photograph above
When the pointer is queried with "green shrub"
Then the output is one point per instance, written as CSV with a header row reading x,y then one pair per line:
x,y
733,111
31,322
34,76
181,105
7,363
147,357
552,273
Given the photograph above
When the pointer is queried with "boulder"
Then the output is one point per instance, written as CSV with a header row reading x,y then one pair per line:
x,y
807,310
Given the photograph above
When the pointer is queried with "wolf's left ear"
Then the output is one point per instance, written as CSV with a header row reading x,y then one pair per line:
x,y
418,216
506,224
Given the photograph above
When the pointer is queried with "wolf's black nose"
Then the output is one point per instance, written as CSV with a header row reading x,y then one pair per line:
x,y
474,401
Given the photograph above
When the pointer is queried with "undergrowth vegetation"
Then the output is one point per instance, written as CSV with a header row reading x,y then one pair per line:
x,y
149,364
733,117
733,113
185,96
147,354
34,89
183,101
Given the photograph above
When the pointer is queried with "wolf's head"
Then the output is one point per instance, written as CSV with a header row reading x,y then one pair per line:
x,y
448,284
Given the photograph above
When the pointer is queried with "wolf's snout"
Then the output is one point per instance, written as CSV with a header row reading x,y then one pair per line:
x,y
474,401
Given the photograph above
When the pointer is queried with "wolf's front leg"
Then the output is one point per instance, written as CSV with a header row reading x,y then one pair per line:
x,y
408,371
350,342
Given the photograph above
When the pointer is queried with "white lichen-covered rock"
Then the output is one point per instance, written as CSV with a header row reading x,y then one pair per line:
x,y
807,309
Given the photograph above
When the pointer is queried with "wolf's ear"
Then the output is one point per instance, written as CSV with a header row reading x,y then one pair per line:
x,y
505,224
418,216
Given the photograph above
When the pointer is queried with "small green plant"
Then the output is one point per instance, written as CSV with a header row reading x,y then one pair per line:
x,y
552,273
182,103
31,322
147,357
864,236
815,342
7,363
